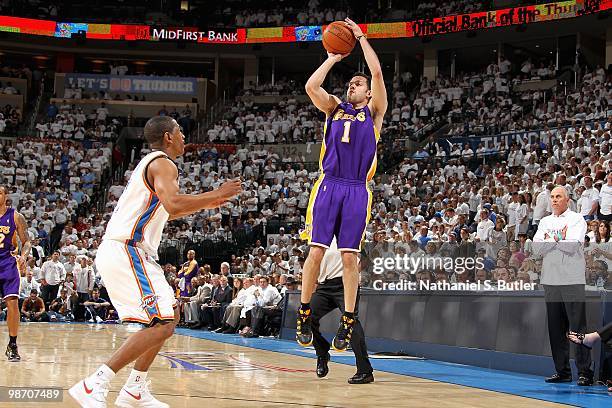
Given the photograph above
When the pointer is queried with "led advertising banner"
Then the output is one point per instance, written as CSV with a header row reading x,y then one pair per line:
x,y
27,26
426,27
65,30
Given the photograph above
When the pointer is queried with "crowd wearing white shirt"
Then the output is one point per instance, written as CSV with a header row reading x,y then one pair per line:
x,y
70,122
490,103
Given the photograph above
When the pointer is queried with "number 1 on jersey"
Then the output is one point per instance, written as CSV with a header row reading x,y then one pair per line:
x,y
347,130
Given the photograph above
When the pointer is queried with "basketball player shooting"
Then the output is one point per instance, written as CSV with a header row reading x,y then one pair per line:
x,y
135,282
340,201
12,224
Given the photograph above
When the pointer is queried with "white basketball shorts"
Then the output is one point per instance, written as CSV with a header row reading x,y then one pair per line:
x,y
135,283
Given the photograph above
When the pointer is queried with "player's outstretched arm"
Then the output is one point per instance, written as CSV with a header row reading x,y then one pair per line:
x,y
378,103
325,102
163,175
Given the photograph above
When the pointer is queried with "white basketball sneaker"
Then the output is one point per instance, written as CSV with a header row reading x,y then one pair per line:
x,y
138,395
90,393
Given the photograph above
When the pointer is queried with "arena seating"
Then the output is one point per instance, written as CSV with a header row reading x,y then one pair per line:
x,y
277,188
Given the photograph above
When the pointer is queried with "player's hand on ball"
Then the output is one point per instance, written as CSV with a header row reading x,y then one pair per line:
x,y
353,26
336,57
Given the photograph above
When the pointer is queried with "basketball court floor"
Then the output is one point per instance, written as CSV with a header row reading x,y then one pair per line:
x,y
198,369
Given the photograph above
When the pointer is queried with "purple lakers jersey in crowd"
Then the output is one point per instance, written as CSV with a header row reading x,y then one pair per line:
x,y
7,231
349,144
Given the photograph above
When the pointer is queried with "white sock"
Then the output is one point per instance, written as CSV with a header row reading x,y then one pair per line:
x,y
104,374
136,378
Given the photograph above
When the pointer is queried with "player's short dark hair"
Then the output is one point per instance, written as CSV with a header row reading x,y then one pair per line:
x,y
156,127
265,278
363,75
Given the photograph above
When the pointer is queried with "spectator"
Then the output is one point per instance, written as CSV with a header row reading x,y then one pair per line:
x,y
96,308
27,284
33,308
85,280
61,308
54,274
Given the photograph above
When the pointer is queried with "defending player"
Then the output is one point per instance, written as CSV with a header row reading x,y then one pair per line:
x,y
135,282
10,222
340,200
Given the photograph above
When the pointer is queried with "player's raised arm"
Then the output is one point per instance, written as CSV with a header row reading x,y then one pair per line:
x,y
325,102
163,175
378,103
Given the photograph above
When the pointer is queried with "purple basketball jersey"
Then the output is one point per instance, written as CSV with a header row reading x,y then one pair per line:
x,y
7,230
188,278
340,201
349,144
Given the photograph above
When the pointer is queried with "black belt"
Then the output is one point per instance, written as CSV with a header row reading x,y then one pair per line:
x,y
332,281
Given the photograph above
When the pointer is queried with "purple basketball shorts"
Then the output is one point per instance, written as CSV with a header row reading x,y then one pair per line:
x,y
341,208
9,276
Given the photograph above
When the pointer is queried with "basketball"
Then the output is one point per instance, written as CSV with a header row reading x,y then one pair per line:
x,y
338,38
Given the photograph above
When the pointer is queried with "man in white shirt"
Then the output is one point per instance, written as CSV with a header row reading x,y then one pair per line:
x,y
69,266
559,240
474,201
35,269
605,200
542,206
84,279
485,225
278,265
328,297
53,273
264,308
270,297
102,112
27,284
512,217
590,200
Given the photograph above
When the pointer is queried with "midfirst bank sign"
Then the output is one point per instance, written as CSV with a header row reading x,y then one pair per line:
x,y
192,35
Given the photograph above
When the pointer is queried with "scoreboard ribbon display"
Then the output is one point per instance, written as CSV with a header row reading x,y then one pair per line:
x,y
426,27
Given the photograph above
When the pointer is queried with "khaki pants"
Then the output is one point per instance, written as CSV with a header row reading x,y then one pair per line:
x,y
190,311
232,316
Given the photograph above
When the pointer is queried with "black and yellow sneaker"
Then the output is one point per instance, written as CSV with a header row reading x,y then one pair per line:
x,y
303,334
343,336
12,354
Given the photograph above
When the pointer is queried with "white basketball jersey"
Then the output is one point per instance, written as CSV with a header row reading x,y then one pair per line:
x,y
139,217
